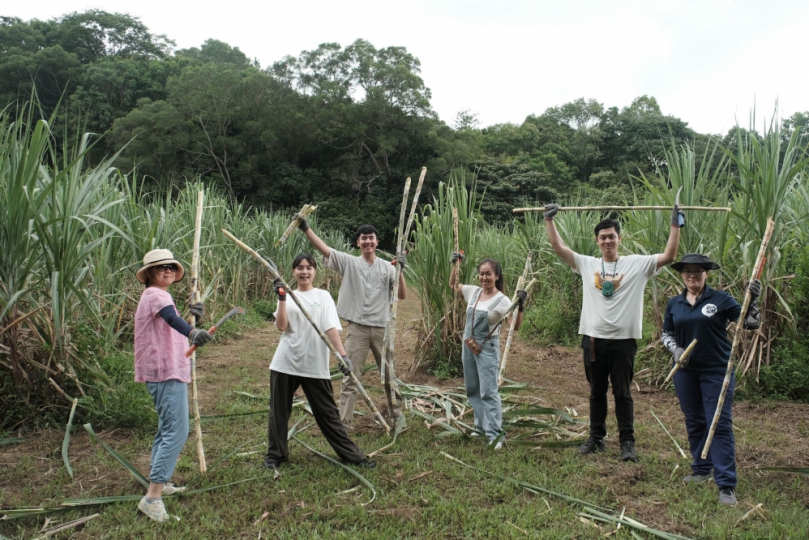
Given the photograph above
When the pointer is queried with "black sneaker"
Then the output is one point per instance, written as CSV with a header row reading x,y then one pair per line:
x,y
271,464
591,446
628,451
365,463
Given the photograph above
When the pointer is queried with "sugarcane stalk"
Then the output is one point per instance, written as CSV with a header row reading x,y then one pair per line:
x,y
681,362
589,208
453,311
305,211
385,367
274,272
513,324
194,288
739,325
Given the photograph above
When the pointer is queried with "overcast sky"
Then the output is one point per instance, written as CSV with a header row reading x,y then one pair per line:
x,y
708,62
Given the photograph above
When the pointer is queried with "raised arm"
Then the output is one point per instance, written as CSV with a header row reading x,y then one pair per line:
x,y
281,318
558,245
668,256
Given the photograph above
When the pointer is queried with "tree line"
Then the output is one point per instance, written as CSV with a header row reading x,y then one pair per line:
x,y
338,125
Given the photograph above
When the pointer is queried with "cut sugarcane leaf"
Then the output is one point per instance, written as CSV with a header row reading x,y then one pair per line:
x,y
540,410
787,469
66,441
224,458
128,466
235,415
4,442
346,467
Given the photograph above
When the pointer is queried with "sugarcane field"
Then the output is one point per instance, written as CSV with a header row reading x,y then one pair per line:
x,y
290,301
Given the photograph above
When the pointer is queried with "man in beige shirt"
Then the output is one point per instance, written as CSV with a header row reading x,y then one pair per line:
x,y
364,301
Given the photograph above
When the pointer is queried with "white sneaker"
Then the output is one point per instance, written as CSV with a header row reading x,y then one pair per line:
x,y
171,489
155,510
474,434
499,445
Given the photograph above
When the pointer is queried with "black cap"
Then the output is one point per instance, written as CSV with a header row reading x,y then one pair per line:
x,y
695,258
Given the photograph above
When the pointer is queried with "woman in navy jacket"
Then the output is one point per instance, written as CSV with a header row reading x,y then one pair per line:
x,y
704,314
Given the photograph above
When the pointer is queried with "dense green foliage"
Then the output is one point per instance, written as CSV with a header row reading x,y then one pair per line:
x,y
341,126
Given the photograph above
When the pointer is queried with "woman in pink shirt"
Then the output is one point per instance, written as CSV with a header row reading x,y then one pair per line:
x,y
161,339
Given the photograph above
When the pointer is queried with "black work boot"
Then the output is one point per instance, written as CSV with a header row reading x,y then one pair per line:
x,y
591,446
628,451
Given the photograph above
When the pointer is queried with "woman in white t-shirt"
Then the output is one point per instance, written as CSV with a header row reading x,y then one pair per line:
x,y
302,360
487,305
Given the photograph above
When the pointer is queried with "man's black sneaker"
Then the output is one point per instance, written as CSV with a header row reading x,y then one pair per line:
x,y
727,496
364,463
628,451
271,464
592,446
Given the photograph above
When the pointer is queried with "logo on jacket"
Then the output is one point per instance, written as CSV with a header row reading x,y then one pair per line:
x,y
709,310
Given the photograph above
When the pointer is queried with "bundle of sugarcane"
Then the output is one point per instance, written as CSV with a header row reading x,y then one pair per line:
x,y
274,272
305,211
387,365
520,284
739,325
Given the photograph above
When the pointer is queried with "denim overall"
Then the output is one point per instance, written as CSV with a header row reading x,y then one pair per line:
x,y
480,371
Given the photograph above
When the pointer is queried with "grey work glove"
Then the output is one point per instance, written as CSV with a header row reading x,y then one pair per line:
x,y
200,337
550,211
456,257
677,217
401,260
755,290
522,296
346,368
278,287
302,223
197,310
678,352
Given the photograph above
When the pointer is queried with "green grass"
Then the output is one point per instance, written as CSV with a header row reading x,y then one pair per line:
x,y
313,498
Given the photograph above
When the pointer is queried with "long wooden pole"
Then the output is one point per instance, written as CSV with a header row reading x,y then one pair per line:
x,y
588,208
274,272
739,325
513,323
385,366
194,286
680,363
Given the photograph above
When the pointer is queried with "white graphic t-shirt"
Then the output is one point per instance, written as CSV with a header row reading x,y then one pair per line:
x,y
301,352
620,315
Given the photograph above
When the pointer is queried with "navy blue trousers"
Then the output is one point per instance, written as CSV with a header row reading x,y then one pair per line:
x,y
698,394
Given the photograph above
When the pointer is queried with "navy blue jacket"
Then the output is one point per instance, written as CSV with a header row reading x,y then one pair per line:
x,y
706,321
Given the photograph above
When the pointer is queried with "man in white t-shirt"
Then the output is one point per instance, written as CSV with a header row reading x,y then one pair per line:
x,y
611,317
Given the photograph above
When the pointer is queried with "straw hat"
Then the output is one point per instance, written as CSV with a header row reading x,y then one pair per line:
x,y
695,258
156,257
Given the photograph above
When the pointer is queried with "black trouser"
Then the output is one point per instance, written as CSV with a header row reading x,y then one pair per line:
x,y
614,362
320,395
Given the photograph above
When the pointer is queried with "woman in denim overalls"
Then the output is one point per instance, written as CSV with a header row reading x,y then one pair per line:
x,y
487,306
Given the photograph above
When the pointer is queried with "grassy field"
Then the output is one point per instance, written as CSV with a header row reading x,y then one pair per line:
x,y
419,491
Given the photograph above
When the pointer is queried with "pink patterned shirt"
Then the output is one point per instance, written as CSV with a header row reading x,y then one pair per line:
x,y
159,348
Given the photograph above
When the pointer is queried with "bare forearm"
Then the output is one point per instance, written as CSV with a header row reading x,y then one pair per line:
x,y
558,245
402,287
281,319
668,256
319,244
453,275
334,338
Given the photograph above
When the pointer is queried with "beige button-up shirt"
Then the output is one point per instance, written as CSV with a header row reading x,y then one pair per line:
x,y
366,288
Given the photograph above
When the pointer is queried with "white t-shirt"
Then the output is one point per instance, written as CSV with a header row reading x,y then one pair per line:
x,y
619,316
495,315
301,352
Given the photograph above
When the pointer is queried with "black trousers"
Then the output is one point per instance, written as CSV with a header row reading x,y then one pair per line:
x,y
615,363
320,395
